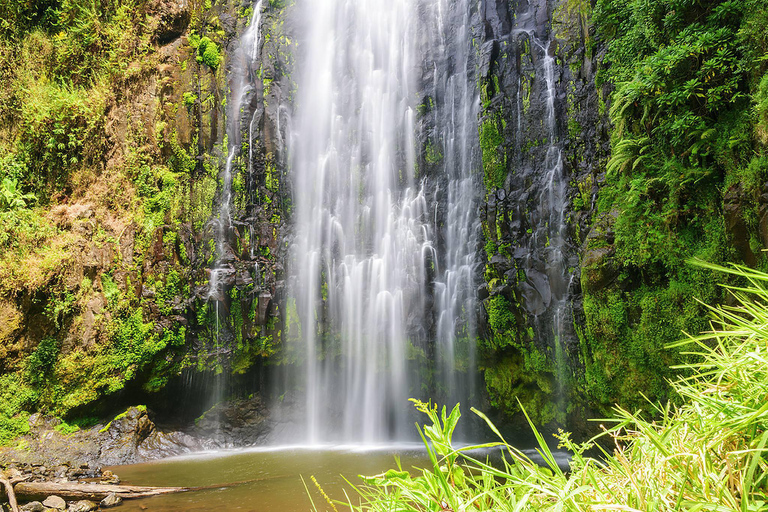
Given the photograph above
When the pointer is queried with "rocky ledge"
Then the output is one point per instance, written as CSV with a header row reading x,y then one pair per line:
x,y
132,437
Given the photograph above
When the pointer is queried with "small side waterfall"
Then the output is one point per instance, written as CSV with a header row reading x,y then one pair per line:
x,y
244,66
383,264
536,192
457,109
553,204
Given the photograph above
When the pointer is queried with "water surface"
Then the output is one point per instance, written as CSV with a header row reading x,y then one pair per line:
x,y
270,479
273,476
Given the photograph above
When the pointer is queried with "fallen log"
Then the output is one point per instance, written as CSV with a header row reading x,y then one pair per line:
x,y
75,491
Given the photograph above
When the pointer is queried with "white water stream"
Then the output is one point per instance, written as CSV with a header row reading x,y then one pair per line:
x,y
372,264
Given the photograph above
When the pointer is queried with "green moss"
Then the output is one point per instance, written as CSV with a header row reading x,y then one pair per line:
x,y
66,429
493,154
208,52
502,321
16,398
511,383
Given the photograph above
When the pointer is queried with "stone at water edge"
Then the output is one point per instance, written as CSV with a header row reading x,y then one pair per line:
x,y
108,477
82,506
33,506
55,502
112,500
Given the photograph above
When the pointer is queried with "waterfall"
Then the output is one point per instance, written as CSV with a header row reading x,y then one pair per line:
x,y
456,129
538,189
244,65
382,268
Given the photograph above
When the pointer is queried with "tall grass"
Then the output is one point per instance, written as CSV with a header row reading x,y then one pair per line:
x,y
707,454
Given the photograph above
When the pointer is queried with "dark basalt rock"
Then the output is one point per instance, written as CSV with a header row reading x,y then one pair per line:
x,y
234,423
173,16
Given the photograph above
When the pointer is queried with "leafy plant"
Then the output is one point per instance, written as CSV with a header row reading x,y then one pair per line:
x,y
11,198
208,52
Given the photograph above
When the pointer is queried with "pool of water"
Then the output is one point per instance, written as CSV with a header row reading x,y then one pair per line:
x,y
271,478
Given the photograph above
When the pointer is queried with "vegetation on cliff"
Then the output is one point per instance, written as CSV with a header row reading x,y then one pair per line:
x,y
683,85
97,153
686,178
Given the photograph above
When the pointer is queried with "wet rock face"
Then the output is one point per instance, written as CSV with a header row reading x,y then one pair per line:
x,y
541,111
172,19
525,91
234,423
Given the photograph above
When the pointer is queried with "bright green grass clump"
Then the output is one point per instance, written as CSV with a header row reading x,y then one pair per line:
x,y
708,454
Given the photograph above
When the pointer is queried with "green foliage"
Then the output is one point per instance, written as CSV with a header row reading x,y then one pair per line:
x,y
66,429
11,198
208,52
685,73
17,18
15,399
674,463
41,361
189,99
61,127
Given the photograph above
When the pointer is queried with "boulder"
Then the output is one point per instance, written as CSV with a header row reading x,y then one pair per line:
x,y
112,500
33,506
82,506
55,502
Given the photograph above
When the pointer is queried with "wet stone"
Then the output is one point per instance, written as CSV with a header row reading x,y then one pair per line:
x,y
82,506
55,502
112,500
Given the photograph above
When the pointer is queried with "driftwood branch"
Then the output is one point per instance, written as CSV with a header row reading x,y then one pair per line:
x,y
76,491
11,495
29,491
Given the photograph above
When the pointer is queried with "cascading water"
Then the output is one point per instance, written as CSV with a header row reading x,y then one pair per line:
x,y
455,128
553,205
371,264
539,189
244,65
